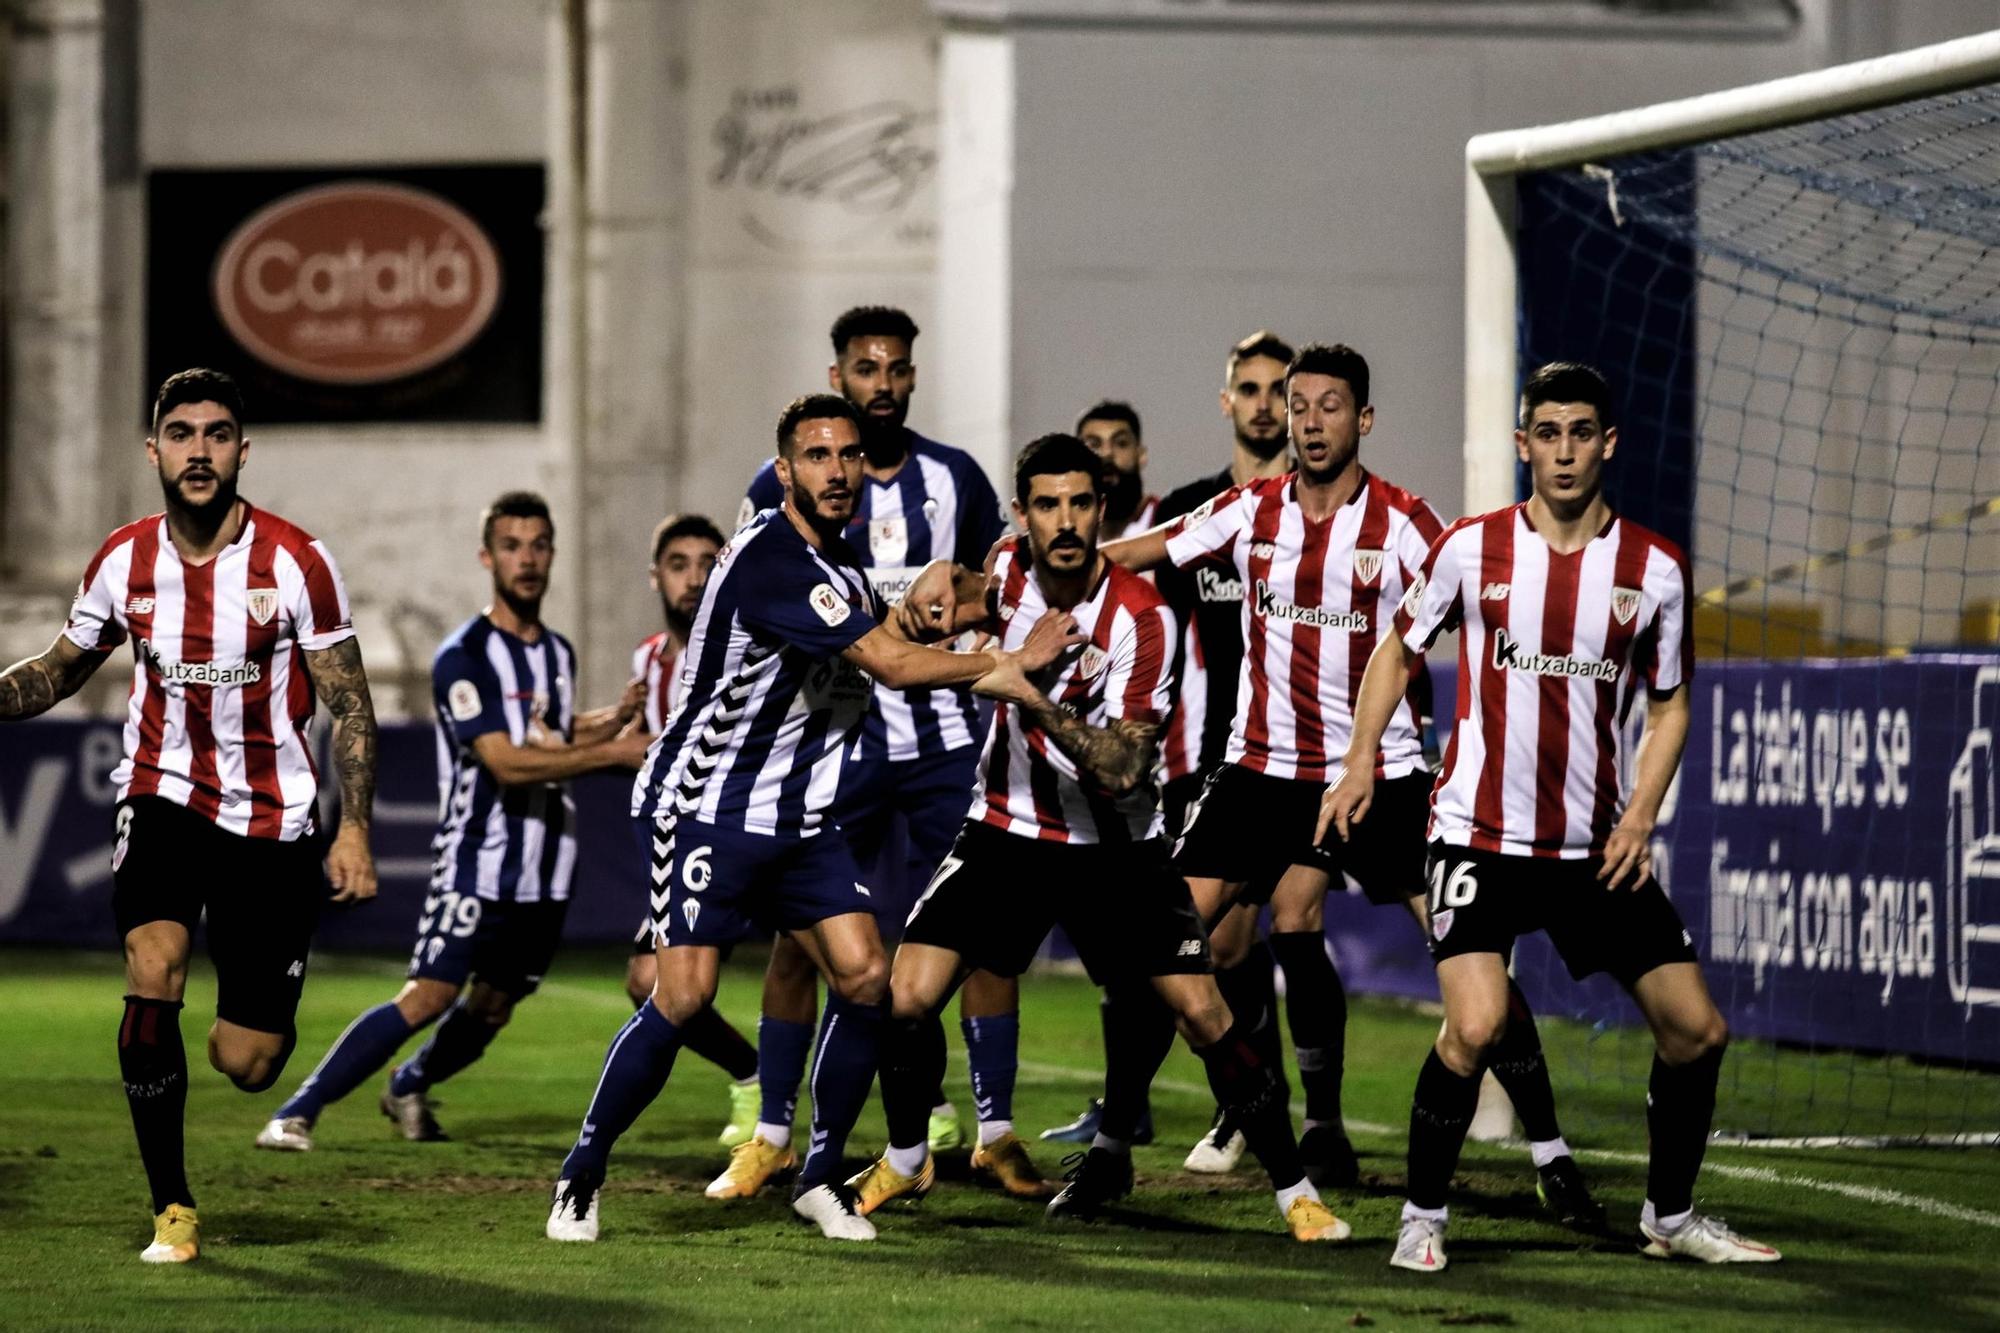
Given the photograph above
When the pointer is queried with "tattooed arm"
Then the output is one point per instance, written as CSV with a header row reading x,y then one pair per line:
x,y
34,685
1117,755
342,684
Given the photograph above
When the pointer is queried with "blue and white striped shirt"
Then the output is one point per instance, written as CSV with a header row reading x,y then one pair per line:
x,y
501,843
938,506
767,702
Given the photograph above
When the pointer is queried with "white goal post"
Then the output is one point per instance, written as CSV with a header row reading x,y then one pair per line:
x,y
1492,162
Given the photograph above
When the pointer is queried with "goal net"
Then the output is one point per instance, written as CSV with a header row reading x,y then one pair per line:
x,y
1795,292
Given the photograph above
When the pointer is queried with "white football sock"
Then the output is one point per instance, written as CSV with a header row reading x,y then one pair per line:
x,y
778,1136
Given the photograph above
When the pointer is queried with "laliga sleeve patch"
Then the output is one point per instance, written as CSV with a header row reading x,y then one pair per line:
x,y
828,604
1198,515
1414,598
745,511
463,697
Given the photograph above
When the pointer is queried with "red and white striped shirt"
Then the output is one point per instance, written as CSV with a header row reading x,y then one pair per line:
x,y
1316,594
657,661
1027,785
221,702
1180,743
1553,649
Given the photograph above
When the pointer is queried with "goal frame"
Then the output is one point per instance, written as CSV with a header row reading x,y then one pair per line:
x,y
1494,160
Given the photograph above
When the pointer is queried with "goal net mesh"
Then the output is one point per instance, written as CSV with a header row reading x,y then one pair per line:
x,y
1803,326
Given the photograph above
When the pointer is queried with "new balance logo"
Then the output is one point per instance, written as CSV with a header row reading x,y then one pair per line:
x,y
1507,656
297,969
139,606
1495,592
1188,949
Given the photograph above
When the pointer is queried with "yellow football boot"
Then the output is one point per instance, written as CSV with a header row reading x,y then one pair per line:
x,y
176,1236
882,1182
1005,1162
751,1166
1312,1220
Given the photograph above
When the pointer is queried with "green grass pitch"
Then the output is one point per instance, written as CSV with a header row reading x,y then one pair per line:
x,y
368,1231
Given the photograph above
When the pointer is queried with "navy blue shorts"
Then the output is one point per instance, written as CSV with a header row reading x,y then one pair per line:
x,y
507,945
900,817
711,885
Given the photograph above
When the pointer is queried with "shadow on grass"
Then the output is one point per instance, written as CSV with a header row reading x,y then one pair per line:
x,y
364,1287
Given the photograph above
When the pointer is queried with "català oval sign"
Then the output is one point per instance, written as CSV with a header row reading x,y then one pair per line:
x,y
357,282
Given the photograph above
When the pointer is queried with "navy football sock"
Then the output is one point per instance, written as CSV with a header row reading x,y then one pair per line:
x,y
154,1066
460,1039
355,1056
635,1069
782,1049
993,1051
843,1072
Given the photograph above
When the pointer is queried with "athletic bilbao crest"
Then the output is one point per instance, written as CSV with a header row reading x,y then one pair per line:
x,y
1367,566
1091,662
1441,922
263,604
1624,604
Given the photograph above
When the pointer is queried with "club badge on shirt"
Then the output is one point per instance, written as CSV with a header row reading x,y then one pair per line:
x,y
1367,566
262,603
1624,604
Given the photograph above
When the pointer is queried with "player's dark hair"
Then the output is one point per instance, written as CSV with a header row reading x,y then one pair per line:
x,y
514,504
1568,382
1110,409
676,526
1261,343
813,407
198,385
1053,456
1338,360
872,321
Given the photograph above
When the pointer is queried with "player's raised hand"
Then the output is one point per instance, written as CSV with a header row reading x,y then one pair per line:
x,y
350,866
1628,851
1345,802
1054,634
633,701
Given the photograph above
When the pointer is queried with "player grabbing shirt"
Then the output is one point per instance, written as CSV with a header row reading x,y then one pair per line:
x,y
1567,610
236,620
503,690
1065,830
919,501
738,792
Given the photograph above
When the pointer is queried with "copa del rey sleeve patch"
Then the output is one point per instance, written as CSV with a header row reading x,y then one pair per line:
x,y
828,604
463,697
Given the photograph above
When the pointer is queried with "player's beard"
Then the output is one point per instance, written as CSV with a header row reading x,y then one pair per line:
x,y
207,516
813,507
678,625
1265,449
1124,492
884,441
526,607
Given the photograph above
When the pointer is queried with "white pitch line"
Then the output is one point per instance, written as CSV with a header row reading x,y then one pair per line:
x,y
1865,1193
1965,1139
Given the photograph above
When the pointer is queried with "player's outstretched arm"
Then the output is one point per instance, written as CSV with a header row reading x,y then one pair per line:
x,y
601,724
1628,852
34,685
1141,551
342,685
529,765
1346,802
903,665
